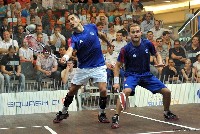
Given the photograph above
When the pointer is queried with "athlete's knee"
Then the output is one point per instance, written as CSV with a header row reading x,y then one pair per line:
x,y
102,102
128,92
68,100
165,92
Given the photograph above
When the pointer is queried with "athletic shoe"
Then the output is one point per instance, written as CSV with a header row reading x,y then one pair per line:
x,y
102,118
170,116
60,116
115,122
122,99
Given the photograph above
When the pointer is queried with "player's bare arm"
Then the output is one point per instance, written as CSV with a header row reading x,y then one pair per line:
x,y
159,58
67,55
117,67
103,37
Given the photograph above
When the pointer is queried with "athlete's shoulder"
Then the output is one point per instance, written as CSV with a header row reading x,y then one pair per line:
x,y
90,25
146,42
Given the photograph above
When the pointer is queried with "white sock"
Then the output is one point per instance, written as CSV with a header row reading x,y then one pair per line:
x,y
64,110
101,111
165,112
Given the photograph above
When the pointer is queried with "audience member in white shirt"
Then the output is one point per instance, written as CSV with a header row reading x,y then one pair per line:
x,y
25,54
119,42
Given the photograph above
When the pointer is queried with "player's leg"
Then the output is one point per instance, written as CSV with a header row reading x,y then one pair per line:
x,y
68,100
156,86
129,87
80,78
168,115
121,104
102,102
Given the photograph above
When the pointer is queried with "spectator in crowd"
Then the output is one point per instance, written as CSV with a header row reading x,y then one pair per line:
x,y
197,67
178,54
62,51
33,14
67,31
83,16
103,44
167,41
125,5
7,42
193,49
48,17
19,36
101,5
11,67
150,36
49,29
25,54
170,73
4,26
12,7
88,5
124,30
93,20
119,42
163,52
45,38
188,72
47,68
57,39
136,6
157,30
148,23
117,23
111,35
63,19
105,24
3,10
94,11
25,11
153,63
111,59
68,73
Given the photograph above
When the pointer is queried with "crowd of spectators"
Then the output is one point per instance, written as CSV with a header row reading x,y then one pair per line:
x,y
182,64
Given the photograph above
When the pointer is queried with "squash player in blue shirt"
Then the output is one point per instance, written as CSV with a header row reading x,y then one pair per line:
x,y
136,58
91,64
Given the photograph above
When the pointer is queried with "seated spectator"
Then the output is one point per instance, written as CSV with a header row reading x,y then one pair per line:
x,y
4,26
148,23
19,36
124,30
118,23
170,73
49,29
111,59
3,9
163,52
167,41
47,18
57,39
62,51
11,67
25,54
12,7
111,35
193,49
47,68
33,14
67,74
25,11
197,67
178,54
125,5
150,36
7,42
188,72
119,42
45,38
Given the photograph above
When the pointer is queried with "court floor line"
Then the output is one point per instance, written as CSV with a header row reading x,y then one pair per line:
x,y
50,130
165,122
161,132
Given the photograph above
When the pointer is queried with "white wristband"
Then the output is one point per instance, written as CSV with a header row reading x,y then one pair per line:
x,y
116,80
66,57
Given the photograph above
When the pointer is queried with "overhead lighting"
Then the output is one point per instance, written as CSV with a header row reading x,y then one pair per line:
x,y
170,26
159,8
167,1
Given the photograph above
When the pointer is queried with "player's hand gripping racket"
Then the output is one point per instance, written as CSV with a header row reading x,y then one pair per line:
x,y
122,96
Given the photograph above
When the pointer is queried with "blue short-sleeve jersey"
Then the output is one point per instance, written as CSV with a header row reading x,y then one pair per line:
x,y
88,47
137,58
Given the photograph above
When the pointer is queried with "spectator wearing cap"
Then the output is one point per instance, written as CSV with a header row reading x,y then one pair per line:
x,y
47,66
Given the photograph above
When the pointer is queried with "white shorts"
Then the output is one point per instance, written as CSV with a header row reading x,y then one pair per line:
x,y
82,76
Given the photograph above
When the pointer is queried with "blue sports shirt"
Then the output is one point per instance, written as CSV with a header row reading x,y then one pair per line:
x,y
88,47
136,58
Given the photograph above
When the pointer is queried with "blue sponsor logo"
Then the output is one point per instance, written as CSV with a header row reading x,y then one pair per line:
x,y
198,93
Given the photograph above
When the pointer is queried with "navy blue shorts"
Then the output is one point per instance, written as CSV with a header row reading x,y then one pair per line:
x,y
146,80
